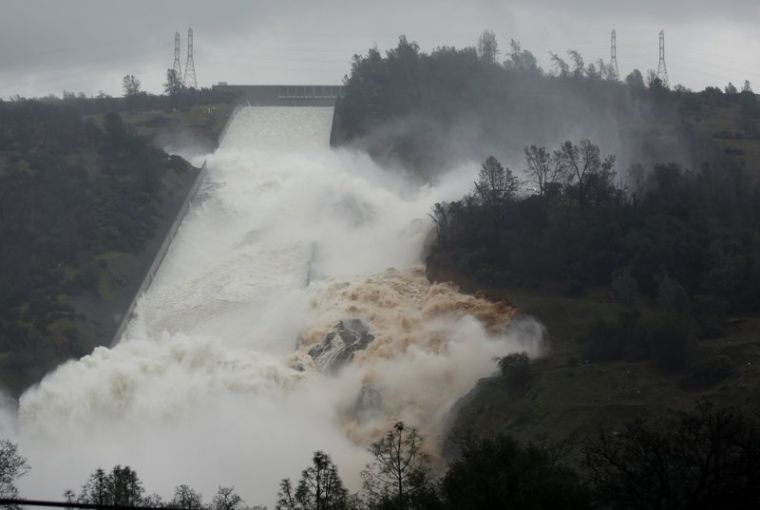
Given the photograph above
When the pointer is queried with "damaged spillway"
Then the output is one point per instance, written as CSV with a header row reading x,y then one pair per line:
x,y
235,369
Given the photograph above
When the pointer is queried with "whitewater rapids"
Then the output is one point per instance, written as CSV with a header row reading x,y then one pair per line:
x,y
212,383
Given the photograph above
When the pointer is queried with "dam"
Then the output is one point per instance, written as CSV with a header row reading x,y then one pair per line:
x,y
281,95
233,371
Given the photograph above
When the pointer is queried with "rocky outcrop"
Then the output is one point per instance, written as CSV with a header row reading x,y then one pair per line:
x,y
340,344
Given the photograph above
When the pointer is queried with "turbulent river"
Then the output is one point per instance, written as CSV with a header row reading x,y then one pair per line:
x,y
290,314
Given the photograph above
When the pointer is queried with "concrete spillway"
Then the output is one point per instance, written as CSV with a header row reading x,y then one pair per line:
x,y
241,245
213,382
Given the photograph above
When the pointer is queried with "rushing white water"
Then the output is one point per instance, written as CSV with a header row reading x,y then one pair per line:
x,y
212,383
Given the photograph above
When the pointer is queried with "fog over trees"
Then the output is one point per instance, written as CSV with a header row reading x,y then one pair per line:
x,y
702,458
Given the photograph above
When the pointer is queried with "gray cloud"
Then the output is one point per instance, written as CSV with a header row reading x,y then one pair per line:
x,y
47,46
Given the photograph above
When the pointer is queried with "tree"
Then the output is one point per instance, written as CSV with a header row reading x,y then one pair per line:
x,y
543,169
702,458
227,499
731,89
747,87
286,497
130,85
515,368
12,467
398,474
607,70
521,60
126,487
96,490
153,500
583,163
120,487
500,473
579,66
635,80
562,67
595,73
173,85
320,488
488,47
69,496
188,499
495,183
654,82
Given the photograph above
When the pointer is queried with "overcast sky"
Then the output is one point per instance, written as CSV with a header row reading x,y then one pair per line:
x,y
47,46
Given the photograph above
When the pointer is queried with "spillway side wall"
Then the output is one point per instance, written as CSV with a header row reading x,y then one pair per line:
x,y
160,254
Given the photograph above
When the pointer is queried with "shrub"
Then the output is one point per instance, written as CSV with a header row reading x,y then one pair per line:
x,y
515,368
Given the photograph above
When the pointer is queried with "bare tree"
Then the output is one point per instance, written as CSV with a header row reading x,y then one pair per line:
x,y
495,183
543,168
488,47
227,499
400,467
580,163
186,498
703,458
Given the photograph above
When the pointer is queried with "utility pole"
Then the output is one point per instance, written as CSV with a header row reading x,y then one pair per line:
x,y
177,67
613,56
190,80
662,69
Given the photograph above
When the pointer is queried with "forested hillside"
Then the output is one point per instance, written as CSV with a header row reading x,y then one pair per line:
x,y
432,111
82,198
621,213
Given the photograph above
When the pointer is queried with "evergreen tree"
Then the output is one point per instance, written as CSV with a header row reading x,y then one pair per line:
x,y
320,488
399,472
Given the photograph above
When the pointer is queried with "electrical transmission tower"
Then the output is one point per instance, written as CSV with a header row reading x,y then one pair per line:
x,y
177,67
613,55
662,69
190,79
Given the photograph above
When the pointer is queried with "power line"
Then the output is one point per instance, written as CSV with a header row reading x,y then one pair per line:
x,y
190,79
73,505
662,69
177,67
613,55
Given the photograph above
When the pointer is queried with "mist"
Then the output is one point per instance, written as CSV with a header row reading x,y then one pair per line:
x,y
454,107
213,383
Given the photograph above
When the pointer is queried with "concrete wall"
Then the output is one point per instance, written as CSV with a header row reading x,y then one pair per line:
x,y
160,255
282,95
